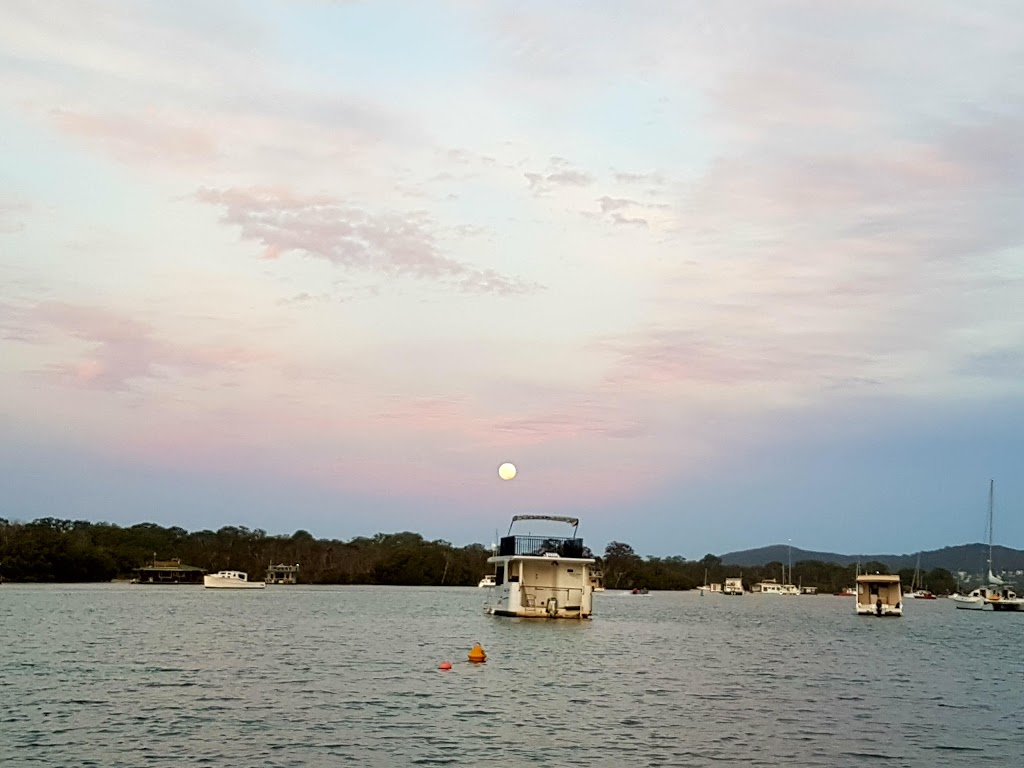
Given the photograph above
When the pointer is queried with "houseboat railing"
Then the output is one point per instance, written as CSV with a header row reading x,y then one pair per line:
x,y
540,545
565,596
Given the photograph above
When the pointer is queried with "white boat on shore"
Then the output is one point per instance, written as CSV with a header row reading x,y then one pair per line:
x,y
231,580
543,577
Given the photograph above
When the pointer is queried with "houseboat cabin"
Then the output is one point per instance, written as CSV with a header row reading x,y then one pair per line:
x,y
544,577
879,595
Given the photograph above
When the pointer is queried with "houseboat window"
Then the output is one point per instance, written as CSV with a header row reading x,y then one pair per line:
x,y
499,575
874,589
512,577
568,570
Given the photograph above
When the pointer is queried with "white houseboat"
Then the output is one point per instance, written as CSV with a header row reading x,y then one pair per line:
x,y
542,576
879,595
733,587
231,580
772,587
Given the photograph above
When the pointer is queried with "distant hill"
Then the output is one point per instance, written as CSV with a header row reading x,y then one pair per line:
x,y
966,557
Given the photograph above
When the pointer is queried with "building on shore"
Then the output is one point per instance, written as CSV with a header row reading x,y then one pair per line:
x,y
168,572
282,574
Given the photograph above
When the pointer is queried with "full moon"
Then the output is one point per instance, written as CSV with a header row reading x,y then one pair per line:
x,y
507,471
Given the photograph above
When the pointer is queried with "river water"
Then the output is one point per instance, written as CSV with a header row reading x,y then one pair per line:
x,y
127,675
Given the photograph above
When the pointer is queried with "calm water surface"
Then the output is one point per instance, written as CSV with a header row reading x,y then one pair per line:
x,y
128,675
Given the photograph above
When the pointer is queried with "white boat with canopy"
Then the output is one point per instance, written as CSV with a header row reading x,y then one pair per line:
x,y
542,576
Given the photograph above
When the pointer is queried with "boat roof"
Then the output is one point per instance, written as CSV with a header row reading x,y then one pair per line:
x,y
574,521
885,577
549,557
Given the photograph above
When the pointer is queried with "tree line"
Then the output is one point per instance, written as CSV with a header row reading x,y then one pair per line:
x,y
55,550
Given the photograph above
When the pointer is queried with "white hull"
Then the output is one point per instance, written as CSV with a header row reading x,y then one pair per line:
x,y
973,603
886,610
228,582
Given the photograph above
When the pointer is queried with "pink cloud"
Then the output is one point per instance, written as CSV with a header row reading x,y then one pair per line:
x,y
390,244
151,136
122,351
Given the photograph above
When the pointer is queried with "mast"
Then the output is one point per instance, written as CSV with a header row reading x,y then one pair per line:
x,y
790,562
991,505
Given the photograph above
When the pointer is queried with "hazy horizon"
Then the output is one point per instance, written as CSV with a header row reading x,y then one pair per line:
x,y
711,276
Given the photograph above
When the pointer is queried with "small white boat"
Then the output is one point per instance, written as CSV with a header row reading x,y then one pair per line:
x,y
231,580
487,581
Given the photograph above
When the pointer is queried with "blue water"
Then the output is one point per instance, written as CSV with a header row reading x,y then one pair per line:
x,y
128,675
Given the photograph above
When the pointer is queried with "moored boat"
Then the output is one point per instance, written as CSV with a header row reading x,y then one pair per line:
x,y
231,580
544,577
486,581
879,594
995,596
733,586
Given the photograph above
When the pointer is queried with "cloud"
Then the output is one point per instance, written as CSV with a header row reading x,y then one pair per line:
x,y
570,421
119,352
11,212
389,244
559,173
153,135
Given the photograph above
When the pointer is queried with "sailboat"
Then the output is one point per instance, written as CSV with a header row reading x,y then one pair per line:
x,y
996,596
788,587
917,589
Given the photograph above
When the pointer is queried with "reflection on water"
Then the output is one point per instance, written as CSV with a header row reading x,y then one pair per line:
x,y
123,675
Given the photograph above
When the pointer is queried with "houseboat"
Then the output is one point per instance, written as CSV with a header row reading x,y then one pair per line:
x,y
168,572
282,574
879,595
544,577
231,580
733,587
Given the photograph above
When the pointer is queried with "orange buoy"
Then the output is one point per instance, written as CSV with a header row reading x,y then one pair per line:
x,y
477,655
445,665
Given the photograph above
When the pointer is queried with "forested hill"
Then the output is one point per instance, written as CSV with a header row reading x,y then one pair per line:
x,y
52,550
966,557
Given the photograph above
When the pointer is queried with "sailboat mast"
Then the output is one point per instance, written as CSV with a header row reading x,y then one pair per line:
x,y
991,506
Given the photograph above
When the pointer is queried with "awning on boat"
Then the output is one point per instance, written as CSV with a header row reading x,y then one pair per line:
x,y
574,521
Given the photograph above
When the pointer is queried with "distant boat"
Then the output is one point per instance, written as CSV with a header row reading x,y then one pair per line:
x,y
996,596
917,589
487,581
231,580
846,592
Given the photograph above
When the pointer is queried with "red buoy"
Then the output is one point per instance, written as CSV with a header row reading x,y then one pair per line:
x,y
445,665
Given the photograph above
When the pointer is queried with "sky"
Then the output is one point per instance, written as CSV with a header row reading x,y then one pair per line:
x,y
712,275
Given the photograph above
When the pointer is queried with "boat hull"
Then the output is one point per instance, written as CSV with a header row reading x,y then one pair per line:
x,y
968,603
213,582
884,611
